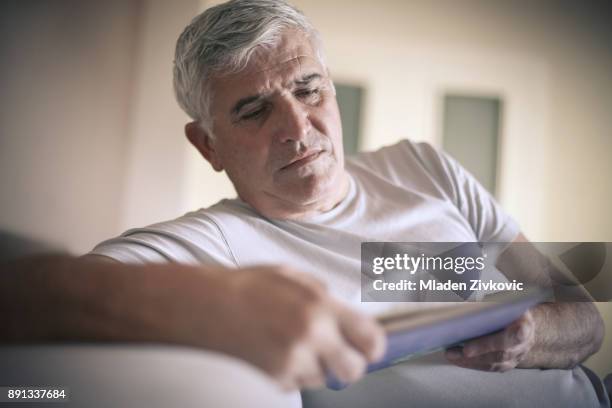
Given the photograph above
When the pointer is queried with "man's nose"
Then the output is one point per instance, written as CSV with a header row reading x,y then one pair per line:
x,y
293,122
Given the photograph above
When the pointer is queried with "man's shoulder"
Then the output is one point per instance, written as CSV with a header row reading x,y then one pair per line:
x,y
205,224
193,222
204,219
195,237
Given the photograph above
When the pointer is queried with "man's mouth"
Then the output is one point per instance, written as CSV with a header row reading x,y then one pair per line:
x,y
303,159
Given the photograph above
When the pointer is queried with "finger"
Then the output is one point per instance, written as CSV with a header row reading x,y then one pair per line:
x,y
288,384
344,362
495,361
308,372
508,338
485,366
314,379
525,327
362,332
311,382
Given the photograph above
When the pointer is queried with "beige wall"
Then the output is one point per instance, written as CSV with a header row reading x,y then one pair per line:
x,y
91,139
66,85
156,174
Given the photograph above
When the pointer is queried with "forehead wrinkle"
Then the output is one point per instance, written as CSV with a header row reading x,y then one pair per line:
x,y
281,64
287,79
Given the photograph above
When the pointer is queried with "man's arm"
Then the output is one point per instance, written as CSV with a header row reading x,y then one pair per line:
x,y
278,319
551,335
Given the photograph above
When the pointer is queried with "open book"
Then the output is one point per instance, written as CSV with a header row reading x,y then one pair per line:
x,y
415,332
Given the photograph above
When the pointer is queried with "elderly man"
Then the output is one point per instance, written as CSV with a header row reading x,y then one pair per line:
x,y
252,76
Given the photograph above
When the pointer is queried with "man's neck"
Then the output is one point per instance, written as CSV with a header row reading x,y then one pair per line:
x,y
279,208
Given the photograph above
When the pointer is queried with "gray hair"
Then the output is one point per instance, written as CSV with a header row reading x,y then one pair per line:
x,y
223,39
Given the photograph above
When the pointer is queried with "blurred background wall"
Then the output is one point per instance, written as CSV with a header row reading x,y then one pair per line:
x,y
91,139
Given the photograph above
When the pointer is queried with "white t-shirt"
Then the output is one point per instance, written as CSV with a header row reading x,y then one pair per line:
x,y
408,192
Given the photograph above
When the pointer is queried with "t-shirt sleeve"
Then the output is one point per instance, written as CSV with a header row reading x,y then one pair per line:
x,y
192,239
487,218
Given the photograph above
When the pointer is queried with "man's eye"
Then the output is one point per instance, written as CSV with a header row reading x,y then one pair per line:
x,y
308,94
253,114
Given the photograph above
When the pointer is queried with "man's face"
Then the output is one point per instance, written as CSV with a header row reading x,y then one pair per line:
x,y
277,130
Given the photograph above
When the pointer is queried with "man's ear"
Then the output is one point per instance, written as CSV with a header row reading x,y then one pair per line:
x,y
201,140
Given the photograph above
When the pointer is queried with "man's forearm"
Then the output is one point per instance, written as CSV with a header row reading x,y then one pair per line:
x,y
566,334
279,319
58,298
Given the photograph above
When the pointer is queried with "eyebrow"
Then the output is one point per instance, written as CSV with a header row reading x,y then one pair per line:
x,y
305,80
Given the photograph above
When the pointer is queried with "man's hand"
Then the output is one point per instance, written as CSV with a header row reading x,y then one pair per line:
x,y
277,319
286,323
550,335
501,351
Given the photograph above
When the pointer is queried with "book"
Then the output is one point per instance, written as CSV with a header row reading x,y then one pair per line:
x,y
412,333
